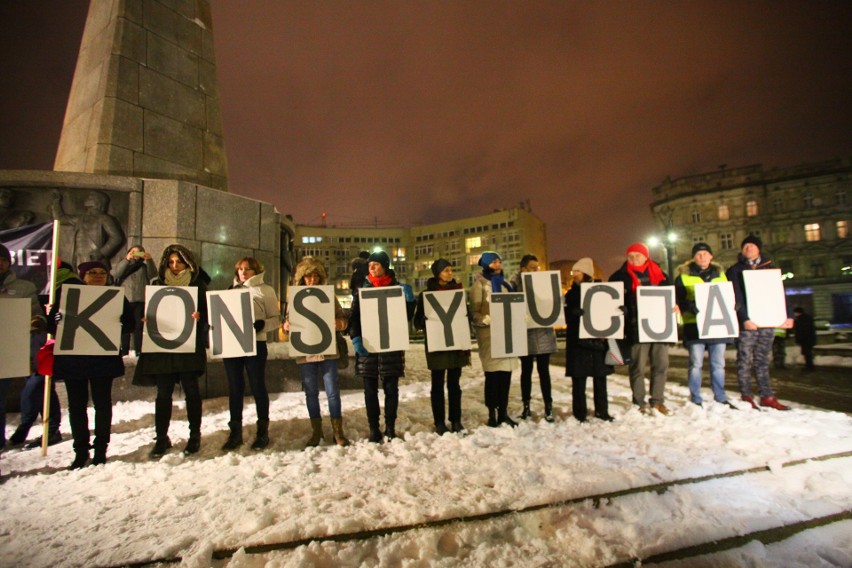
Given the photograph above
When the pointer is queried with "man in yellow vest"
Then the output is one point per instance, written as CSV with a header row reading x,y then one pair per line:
x,y
700,269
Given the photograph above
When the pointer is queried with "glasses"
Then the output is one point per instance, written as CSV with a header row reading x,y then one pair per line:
x,y
97,273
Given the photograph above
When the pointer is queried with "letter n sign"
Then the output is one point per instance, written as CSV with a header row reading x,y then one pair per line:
x,y
169,326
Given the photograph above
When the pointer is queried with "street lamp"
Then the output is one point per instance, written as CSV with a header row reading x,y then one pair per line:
x,y
668,244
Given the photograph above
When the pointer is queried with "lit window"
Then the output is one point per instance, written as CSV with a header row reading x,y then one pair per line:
x,y
812,232
696,216
724,215
842,229
726,240
473,259
751,208
472,243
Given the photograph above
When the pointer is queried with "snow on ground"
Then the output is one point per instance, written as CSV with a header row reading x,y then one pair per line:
x,y
534,479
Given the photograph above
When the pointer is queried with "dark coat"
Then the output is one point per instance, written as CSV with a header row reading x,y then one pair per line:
x,y
390,364
805,330
631,315
439,360
735,275
583,357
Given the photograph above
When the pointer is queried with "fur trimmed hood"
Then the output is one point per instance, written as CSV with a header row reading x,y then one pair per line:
x,y
309,265
185,255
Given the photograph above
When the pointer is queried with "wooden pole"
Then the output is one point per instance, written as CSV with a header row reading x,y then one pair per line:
x,y
48,379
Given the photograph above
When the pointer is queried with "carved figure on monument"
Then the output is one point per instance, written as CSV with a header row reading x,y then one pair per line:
x,y
11,218
97,235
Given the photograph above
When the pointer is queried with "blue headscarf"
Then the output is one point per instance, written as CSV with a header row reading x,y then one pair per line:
x,y
497,280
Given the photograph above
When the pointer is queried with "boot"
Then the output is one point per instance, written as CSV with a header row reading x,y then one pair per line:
x,y
548,412
526,412
456,427
375,435
100,456
337,429
53,438
193,444
235,438
80,459
261,439
316,434
441,428
20,436
503,418
161,446
390,429
772,402
492,417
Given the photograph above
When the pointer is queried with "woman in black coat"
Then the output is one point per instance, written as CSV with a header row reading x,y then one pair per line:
x,y
84,372
584,357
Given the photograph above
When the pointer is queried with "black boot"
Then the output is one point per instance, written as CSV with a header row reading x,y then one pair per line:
x,y
503,417
390,429
492,418
100,456
457,427
548,411
20,436
261,439
235,438
161,446
375,435
441,428
193,445
526,412
80,459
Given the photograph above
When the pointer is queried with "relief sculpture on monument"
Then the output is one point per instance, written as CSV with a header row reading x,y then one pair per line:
x,y
88,232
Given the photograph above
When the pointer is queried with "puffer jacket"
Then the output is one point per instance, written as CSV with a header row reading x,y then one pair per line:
x,y
390,364
439,360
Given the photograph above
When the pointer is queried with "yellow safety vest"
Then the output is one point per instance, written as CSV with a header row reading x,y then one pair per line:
x,y
689,282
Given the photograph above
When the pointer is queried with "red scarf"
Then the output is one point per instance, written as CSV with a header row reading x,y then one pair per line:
x,y
380,281
655,273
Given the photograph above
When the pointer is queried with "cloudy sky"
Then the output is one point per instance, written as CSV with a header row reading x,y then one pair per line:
x,y
419,112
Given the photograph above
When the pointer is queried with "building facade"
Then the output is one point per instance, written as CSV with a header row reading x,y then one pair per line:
x,y
801,213
511,232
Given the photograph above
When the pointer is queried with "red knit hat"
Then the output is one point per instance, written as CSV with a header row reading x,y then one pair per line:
x,y
641,248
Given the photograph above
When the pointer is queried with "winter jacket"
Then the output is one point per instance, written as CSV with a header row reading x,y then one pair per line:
x,y
805,330
480,308
439,360
389,364
310,265
12,287
265,303
689,274
133,276
540,340
735,275
631,315
583,357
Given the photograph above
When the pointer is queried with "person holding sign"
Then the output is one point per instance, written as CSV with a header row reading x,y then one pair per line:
x,y
541,342
584,358
386,367
443,362
755,342
498,372
311,272
165,369
248,273
701,269
84,372
640,270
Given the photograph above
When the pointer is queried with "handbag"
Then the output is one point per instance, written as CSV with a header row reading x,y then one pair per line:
x,y
342,351
613,354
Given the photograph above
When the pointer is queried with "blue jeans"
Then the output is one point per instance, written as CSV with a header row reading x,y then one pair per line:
x,y
255,368
311,373
716,353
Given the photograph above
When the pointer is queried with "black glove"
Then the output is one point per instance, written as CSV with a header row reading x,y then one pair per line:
x,y
623,309
57,317
258,325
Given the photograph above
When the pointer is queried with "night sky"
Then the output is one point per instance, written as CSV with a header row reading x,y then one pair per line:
x,y
420,112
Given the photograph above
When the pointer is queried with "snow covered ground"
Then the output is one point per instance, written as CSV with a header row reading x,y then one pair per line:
x,y
563,494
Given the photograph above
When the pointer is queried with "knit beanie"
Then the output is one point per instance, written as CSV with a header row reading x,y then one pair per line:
x,y
4,253
84,267
753,239
641,248
487,258
439,265
586,266
381,257
697,247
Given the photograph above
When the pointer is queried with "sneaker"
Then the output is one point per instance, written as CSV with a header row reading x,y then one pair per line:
x,y
750,399
772,402
661,408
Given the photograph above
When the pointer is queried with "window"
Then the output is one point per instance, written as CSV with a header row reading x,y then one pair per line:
x,y
473,259
726,240
696,216
842,229
724,215
698,239
840,197
311,240
817,269
809,201
781,235
751,208
472,243
812,232
423,250
778,204
398,253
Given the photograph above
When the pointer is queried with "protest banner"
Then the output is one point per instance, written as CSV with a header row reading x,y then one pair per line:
x,y
231,316
543,291
384,319
31,249
447,327
764,290
15,313
716,317
655,310
312,320
91,320
508,334
169,326
602,316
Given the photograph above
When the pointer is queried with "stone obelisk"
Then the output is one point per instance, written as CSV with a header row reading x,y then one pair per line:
x,y
144,101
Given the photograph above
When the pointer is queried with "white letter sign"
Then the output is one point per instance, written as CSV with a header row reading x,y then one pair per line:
x,y
15,337
601,316
764,290
312,320
231,315
543,292
716,318
447,328
169,326
657,319
384,319
508,335
91,320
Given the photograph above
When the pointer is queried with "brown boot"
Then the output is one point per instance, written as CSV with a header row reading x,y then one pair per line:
x,y
316,436
337,428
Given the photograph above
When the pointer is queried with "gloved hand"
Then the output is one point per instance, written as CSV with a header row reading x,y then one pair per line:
x,y
258,325
623,309
359,347
57,317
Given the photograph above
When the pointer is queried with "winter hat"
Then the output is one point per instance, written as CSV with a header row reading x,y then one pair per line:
x,y
381,257
586,266
487,258
439,265
84,267
753,239
701,246
4,253
641,248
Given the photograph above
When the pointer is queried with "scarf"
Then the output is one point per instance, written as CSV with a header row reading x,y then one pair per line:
x,y
182,279
497,281
380,281
655,273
